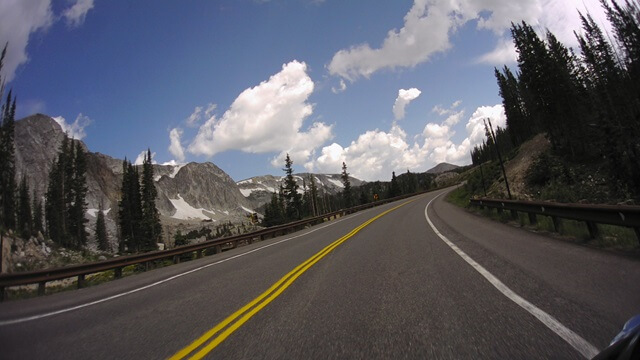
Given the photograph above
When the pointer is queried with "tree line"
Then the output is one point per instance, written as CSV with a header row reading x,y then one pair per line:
x,y
291,203
138,217
587,104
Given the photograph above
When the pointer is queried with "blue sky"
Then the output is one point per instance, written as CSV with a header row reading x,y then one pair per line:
x,y
382,85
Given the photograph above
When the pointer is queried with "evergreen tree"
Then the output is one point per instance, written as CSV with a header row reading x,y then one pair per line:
x,y
346,191
313,192
78,206
130,210
152,229
25,220
394,187
293,202
7,162
37,214
56,214
364,199
65,200
274,213
101,231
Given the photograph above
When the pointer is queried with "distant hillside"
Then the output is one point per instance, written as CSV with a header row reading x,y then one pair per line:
x,y
441,168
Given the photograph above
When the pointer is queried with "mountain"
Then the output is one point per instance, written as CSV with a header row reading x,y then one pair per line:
x,y
258,189
187,193
441,168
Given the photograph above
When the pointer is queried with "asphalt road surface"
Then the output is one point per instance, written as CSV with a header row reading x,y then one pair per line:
x,y
424,280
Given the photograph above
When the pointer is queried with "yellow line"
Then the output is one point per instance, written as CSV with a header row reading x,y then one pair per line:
x,y
268,296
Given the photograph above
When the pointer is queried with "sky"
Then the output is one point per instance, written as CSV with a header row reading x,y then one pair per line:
x,y
380,85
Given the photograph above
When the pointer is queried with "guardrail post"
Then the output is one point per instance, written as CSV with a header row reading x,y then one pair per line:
x,y
42,286
117,273
199,254
556,224
1,293
146,266
637,230
593,229
532,218
217,249
176,259
514,215
81,282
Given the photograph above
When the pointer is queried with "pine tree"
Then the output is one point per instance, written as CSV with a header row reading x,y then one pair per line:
x,y
394,187
313,193
7,162
101,231
37,214
78,207
130,210
25,220
152,229
347,197
293,202
56,213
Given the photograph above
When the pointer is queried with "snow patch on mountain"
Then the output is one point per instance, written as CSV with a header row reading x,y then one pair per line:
x,y
184,211
335,182
247,209
175,170
94,212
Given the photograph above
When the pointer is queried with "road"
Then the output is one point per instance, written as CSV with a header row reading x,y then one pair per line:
x,y
394,288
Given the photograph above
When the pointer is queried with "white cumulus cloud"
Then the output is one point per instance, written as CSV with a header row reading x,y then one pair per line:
x,y
429,24
76,14
175,146
18,20
266,118
375,153
425,32
403,99
372,156
75,129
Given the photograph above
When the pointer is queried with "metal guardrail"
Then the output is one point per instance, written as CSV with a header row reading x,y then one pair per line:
x,y
620,215
41,277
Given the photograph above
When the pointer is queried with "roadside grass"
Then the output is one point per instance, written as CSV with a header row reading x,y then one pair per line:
x,y
609,237
459,197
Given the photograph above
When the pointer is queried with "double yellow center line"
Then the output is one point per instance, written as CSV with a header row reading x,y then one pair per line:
x,y
235,320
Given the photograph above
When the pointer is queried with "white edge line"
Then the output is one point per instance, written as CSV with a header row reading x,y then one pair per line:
x,y
576,341
112,297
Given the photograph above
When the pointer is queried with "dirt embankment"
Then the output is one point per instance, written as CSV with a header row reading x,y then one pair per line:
x,y
517,168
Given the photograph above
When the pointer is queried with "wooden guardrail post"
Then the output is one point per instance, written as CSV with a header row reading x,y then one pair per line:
x,y
556,224
117,273
217,249
594,232
1,293
176,259
532,219
42,286
637,230
81,282
514,215
199,254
